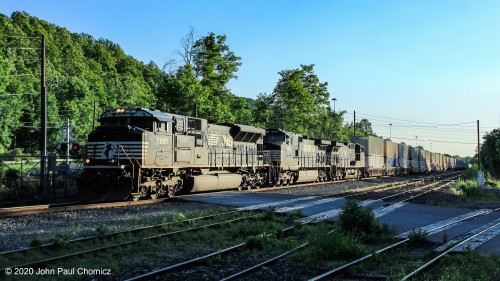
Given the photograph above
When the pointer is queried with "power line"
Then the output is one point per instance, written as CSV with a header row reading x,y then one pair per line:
x,y
419,122
19,48
435,141
28,74
20,36
6,95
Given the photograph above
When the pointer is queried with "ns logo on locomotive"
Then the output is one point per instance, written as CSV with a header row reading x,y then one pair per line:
x,y
139,153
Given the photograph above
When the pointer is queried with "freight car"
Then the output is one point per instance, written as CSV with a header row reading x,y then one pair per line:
x,y
139,153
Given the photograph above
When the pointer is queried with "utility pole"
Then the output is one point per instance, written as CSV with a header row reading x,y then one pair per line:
x,y
478,149
480,174
390,131
43,119
354,122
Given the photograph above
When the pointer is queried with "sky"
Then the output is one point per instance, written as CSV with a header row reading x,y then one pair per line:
x,y
430,68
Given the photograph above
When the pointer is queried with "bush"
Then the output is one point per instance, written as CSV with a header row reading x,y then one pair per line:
x,y
468,187
36,242
417,237
338,244
357,219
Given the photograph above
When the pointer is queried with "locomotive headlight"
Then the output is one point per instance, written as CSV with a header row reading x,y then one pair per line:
x,y
113,160
87,161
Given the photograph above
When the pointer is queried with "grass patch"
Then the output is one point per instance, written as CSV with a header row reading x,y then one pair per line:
x,y
465,267
355,234
338,244
467,190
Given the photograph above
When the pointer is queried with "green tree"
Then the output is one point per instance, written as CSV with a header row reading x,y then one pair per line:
x,y
86,71
215,65
490,153
300,101
364,128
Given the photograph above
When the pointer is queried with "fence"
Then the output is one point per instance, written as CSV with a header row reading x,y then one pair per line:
x,y
21,179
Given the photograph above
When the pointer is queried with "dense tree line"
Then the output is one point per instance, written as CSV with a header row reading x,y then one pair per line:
x,y
490,153
82,71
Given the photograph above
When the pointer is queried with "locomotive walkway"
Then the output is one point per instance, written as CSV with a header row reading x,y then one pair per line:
x,y
405,216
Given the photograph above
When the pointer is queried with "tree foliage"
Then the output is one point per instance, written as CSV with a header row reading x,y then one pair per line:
x,y
490,153
84,73
80,70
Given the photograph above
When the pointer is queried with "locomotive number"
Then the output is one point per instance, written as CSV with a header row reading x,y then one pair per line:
x,y
162,141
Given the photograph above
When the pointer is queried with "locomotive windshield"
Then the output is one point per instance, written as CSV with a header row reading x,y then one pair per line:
x,y
274,137
145,123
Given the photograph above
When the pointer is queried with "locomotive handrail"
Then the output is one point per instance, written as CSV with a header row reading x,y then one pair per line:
x,y
130,160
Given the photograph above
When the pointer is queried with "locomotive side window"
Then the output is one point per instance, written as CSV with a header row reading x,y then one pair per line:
x,y
161,127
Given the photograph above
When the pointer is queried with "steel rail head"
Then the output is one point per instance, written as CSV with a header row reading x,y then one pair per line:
x,y
195,260
429,263
108,235
45,261
337,269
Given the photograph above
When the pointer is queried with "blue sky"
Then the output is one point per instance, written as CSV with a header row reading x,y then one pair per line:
x,y
394,62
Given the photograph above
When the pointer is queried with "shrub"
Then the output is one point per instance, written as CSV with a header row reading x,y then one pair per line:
x,y
338,244
417,237
468,187
355,218
35,242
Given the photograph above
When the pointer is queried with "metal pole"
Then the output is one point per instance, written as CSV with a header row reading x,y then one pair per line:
x,y
390,131
67,142
334,99
43,119
478,149
354,122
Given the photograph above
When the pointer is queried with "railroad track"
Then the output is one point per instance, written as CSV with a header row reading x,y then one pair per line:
x,y
175,270
274,259
75,206
336,271
105,242
157,236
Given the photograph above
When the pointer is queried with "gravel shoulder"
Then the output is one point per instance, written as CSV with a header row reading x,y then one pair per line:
x,y
18,232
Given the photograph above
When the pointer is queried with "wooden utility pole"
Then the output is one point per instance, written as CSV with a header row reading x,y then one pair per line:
x,y
43,119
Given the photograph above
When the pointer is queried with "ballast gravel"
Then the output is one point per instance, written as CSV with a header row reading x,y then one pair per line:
x,y
19,232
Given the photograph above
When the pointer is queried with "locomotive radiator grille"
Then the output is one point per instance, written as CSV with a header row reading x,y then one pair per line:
x,y
116,150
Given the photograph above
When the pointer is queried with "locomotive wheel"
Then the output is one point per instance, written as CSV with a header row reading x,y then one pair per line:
x,y
153,195
135,197
170,194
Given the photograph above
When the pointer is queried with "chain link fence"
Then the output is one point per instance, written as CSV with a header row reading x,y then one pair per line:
x,y
21,180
